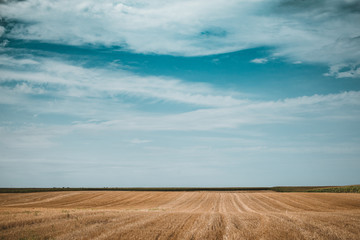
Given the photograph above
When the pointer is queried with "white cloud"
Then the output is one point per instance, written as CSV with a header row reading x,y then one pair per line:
x,y
2,30
259,60
344,71
76,81
321,31
27,89
9,61
95,93
330,107
102,94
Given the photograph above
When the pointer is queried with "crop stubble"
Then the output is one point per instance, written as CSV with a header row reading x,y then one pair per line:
x,y
179,215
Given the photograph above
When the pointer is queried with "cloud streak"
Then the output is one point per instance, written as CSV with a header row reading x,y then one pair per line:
x,y
259,60
316,32
75,81
95,93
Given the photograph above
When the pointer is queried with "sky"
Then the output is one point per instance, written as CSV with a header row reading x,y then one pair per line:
x,y
181,93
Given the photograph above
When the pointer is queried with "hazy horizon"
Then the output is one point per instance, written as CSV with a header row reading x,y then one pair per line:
x,y
179,93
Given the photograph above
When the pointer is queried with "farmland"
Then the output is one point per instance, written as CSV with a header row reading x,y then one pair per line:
x,y
179,215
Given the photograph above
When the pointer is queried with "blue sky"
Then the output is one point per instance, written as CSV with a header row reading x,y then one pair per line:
x,y
179,93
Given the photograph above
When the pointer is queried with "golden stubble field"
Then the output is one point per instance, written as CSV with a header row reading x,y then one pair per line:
x,y
179,215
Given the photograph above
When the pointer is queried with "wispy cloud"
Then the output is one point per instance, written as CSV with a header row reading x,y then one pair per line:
x,y
310,108
70,80
322,31
344,71
259,60
2,30
94,93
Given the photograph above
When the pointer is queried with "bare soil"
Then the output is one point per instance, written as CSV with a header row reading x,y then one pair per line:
x,y
179,215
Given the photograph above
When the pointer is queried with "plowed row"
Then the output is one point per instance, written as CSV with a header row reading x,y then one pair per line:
x,y
179,215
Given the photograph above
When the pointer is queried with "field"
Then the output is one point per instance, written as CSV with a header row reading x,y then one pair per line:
x,y
179,215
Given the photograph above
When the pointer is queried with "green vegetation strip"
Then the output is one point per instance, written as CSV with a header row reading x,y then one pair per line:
x,y
342,189
296,189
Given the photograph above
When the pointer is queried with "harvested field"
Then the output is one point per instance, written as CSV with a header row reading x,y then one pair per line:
x,y
179,215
